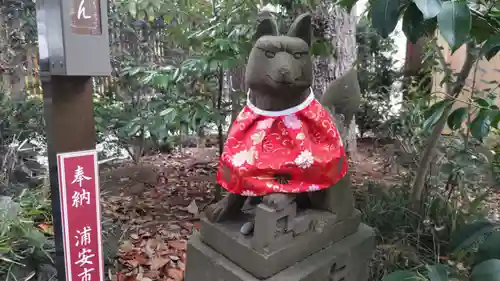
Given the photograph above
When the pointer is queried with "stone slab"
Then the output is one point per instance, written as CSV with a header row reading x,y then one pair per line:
x,y
269,234
226,239
337,199
345,260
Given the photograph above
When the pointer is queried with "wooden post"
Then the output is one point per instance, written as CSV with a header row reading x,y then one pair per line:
x,y
73,47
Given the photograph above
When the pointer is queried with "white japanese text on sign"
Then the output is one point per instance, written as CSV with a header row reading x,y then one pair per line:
x,y
81,216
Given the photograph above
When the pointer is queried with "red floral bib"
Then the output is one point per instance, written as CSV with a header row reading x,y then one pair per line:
x,y
301,143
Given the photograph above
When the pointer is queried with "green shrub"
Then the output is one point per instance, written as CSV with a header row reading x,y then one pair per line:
x,y
25,234
473,254
21,119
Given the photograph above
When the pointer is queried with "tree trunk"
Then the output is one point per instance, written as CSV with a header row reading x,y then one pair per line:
x,y
5,78
414,55
237,84
16,63
340,30
218,188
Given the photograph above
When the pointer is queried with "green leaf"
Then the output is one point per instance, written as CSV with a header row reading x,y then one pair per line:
x,y
489,249
401,275
478,201
177,73
321,47
134,128
494,107
493,52
347,4
435,112
157,3
447,168
455,22
429,8
482,102
491,47
35,237
481,28
465,236
457,118
132,8
486,271
436,206
385,16
438,272
430,26
495,119
413,23
166,111
170,117
480,126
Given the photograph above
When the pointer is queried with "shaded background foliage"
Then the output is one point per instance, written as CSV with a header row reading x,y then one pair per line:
x,y
377,77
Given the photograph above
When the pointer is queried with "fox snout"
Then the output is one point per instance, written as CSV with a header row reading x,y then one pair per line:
x,y
284,75
285,71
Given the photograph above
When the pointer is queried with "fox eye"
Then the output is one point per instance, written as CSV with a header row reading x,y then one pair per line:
x,y
269,54
298,55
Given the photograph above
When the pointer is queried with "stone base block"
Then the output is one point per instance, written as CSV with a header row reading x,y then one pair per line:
x,y
345,260
322,227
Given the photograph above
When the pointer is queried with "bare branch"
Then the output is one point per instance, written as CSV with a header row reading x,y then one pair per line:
x,y
453,91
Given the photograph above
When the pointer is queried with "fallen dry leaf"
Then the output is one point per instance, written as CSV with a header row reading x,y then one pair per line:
x,y
152,274
126,246
176,274
46,228
150,247
178,245
181,265
120,276
160,218
192,208
158,262
140,273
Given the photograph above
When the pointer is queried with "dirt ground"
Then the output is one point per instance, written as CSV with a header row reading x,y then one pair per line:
x,y
149,209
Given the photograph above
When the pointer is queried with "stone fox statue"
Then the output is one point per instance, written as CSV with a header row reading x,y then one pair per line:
x,y
284,146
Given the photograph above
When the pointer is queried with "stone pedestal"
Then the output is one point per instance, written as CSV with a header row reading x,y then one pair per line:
x,y
280,238
344,260
310,245
324,243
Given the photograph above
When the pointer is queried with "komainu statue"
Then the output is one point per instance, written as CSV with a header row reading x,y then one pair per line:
x,y
285,168
284,143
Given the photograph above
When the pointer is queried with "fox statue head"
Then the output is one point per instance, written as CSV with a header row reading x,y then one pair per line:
x,y
279,71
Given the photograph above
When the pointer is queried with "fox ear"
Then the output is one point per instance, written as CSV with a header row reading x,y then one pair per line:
x,y
301,28
266,25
